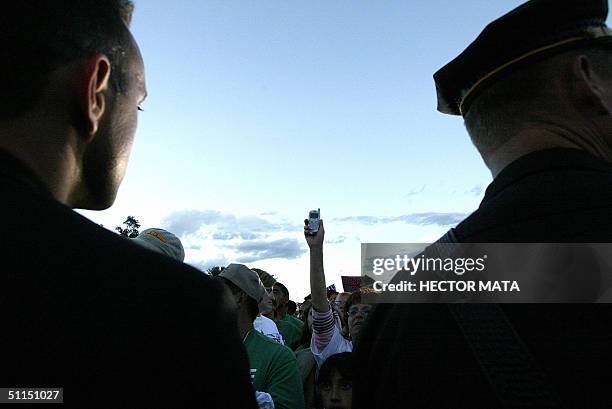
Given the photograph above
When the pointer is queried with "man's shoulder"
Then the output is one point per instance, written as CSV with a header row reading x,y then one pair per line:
x,y
566,196
286,323
58,235
44,238
298,323
280,353
107,310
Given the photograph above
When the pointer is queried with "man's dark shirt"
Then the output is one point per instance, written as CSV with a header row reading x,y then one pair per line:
x,y
114,324
414,355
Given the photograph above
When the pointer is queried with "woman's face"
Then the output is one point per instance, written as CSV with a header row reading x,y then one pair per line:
x,y
337,393
357,314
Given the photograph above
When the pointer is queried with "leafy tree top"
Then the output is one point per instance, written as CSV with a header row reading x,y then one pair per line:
x,y
131,227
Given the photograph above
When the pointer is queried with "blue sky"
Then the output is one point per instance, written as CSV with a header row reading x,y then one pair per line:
x,y
259,111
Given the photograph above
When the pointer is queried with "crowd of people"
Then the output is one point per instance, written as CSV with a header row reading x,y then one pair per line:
x,y
124,322
297,359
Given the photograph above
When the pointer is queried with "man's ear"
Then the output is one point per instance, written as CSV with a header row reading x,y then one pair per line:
x,y
592,84
94,83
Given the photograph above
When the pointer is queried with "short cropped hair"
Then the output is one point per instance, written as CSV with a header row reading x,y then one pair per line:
x,y
291,307
39,36
525,95
284,289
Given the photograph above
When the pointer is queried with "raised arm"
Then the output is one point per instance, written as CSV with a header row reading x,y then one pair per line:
x,y
318,290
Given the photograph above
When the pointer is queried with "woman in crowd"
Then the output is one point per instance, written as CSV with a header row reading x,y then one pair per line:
x,y
327,336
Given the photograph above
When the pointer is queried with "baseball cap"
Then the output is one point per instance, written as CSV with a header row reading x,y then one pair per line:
x,y
245,279
535,30
161,241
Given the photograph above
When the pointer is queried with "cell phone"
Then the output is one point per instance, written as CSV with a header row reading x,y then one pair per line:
x,y
313,220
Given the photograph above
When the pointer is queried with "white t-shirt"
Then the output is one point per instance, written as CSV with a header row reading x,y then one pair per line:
x,y
337,343
267,327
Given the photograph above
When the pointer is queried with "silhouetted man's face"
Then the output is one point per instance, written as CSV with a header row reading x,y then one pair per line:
x,y
106,158
279,296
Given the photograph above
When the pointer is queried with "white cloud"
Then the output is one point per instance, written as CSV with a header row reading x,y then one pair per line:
x,y
419,219
261,250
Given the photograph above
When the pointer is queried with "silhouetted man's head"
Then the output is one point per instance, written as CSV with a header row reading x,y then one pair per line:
x,y
281,295
291,307
72,68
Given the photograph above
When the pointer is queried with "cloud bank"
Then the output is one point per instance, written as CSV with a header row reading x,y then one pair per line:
x,y
218,238
419,219
212,237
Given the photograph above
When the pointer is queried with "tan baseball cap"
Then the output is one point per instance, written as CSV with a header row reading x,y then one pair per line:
x,y
161,241
245,279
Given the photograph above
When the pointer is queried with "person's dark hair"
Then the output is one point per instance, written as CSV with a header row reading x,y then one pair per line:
x,y
251,305
306,332
291,307
39,36
342,363
524,96
283,289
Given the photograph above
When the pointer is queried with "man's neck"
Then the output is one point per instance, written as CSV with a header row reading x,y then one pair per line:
x,y
529,141
280,313
53,162
244,326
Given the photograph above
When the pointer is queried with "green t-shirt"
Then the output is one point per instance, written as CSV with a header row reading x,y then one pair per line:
x,y
291,331
274,370
295,321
